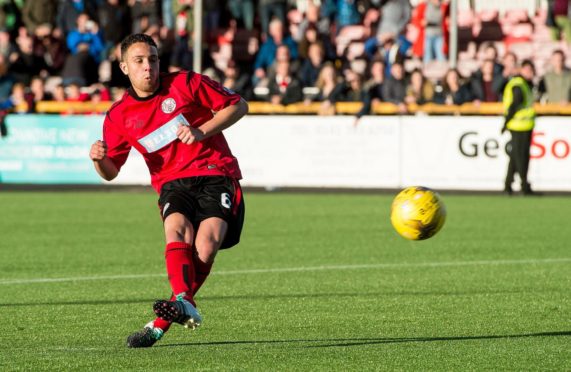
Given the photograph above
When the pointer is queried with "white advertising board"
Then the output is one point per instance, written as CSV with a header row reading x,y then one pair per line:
x,y
443,152
469,153
316,151
453,152
550,166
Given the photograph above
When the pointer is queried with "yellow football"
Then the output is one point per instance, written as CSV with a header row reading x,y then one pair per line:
x,y
417,213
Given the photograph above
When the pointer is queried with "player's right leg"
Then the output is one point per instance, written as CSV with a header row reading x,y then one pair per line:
x,y
179,234
224,201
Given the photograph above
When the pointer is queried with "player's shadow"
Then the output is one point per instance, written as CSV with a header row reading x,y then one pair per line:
x,y
347,342
264,297
376,294
82,302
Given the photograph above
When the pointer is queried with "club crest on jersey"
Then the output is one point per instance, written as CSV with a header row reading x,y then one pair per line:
x,y
168,105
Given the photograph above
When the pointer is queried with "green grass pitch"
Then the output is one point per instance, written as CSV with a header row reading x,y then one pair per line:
x,y
319,282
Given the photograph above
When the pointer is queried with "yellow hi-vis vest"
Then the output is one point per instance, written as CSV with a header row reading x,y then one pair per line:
x,y
524,118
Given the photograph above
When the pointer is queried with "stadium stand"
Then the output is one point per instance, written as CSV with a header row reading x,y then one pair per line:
x,y
518,27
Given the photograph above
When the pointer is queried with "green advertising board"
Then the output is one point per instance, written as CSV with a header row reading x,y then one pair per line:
x,y
49,149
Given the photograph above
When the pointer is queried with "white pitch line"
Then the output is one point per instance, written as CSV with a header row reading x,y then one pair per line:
x,y
394,265
76,279
300,269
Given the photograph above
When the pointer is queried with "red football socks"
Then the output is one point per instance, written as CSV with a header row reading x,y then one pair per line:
x,y
201,271
185,274
180,268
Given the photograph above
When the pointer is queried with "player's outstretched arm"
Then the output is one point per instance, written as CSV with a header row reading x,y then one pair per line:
x,y
103,165
222,120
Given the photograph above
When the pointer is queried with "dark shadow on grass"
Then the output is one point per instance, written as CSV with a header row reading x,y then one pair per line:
x,y
82,302
378,294
293,295
346,342
357,342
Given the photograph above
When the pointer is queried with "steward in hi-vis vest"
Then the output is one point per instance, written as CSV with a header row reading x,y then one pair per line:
x,y
523,119
520,121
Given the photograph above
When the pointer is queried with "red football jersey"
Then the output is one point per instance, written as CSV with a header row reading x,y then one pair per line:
x,y
149,124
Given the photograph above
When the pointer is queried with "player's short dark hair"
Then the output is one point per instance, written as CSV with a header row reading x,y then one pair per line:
x,y
135,38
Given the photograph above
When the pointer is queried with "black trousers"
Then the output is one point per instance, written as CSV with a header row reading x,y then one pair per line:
x,y
519,159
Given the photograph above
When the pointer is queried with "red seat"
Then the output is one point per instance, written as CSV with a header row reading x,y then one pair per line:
x,y
522,31
516,16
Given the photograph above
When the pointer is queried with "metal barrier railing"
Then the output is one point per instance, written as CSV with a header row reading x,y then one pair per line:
x,y
342,108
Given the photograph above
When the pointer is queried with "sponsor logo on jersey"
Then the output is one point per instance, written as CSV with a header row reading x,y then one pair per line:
x,y
163,135
168,105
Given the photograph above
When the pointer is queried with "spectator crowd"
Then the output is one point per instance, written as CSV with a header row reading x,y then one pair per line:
x,y
285,51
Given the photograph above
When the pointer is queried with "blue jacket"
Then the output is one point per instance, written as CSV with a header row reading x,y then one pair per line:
x,y
267,53
347,13
95,41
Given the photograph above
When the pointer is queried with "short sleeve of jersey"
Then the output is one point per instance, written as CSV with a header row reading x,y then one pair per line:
x,y
208,93
117,146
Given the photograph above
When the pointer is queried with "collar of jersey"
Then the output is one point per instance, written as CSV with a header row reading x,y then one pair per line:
x,y
133,94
